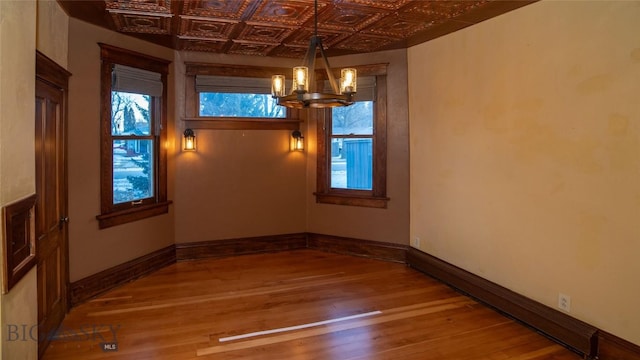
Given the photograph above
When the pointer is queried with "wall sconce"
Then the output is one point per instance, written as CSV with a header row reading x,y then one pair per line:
x,y
297,141
189,140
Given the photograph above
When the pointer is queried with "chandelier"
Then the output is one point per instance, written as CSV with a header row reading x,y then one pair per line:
x,y
303,88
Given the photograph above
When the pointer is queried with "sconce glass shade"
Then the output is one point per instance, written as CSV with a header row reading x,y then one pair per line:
x,y
297,141
348,81
189,140
300,79
278,86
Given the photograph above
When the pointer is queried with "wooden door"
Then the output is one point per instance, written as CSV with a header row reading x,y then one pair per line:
x,y
51,204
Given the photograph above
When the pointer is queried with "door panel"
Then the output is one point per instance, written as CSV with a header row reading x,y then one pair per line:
x,y
51,225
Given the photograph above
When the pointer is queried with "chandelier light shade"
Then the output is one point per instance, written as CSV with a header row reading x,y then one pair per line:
x,y
304,92
278,86
348,81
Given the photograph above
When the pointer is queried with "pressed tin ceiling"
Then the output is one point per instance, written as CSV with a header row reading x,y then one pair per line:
x,y
282,28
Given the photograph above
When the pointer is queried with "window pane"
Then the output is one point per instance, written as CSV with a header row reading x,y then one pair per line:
x,y
132,170
130,113
240,105
356,119
352,164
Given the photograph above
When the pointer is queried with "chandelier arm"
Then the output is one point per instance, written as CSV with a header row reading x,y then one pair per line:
x,y
327,67
311,62
310,55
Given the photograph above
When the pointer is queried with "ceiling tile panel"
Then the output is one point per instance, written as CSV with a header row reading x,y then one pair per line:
x,y
288,51
399,27
226,9
285,12
329,37
258,32
348,18
382,4
250,48
202,45
155,6
142,23
441,10
205,28
364,43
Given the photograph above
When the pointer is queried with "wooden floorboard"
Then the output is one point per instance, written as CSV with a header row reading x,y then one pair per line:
x,y
183,310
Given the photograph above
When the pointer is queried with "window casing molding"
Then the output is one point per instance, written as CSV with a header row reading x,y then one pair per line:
x,y
377,196
115,214
193,120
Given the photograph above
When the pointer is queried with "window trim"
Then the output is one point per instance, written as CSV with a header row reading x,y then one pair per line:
x,y
116,214
377,197
193,120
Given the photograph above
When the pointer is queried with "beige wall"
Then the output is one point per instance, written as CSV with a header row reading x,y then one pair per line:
x,y
240,183
24,26
391,224
90,249
52,33
525,155
17,157
247,183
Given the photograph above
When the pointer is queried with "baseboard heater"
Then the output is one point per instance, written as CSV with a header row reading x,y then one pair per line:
x,y
573,333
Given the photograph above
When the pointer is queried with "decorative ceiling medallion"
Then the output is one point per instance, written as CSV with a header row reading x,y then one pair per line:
x,y
348,18
286,12
263,33
203,45
250,48
144,24
205,28
226,9
154,6
364,42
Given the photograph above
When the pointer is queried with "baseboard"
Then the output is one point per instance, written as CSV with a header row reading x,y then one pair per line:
x,y
575,334
611,347
96,284
357,247
243,246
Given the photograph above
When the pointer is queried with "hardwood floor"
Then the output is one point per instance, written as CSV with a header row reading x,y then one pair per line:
x,y
292,305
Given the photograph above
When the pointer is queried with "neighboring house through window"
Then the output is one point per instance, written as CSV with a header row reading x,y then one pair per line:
x,y
133,127
351,167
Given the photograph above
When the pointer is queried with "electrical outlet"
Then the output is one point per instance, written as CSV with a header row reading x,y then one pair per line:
x,y
416,242
564,302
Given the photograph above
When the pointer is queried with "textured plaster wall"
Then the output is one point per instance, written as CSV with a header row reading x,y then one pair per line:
x,y
525,155
17,167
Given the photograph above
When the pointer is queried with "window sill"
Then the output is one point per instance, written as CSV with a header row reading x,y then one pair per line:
x,y
230,123
129,215
352,200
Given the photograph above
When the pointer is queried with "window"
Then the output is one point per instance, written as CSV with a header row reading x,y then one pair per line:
x,y
351,167
227,96
133,127
234,97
